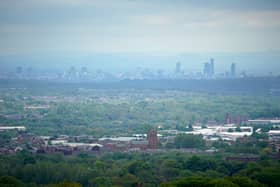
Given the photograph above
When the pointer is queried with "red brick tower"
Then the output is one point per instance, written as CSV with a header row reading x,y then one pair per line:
x,y
152,138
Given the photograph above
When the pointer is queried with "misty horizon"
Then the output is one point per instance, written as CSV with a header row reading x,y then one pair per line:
x,y
118,36
255,63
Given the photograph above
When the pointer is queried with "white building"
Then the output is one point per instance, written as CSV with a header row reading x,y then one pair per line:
x,y
228,132
264,121
7,128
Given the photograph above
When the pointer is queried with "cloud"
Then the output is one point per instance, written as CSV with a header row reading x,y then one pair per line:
x,y
138,26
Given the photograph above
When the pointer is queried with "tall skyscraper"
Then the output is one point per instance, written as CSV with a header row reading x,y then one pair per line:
x,y
83,73
206,69
209,68
233,70
212,67
178,67
19,72
227,119
72,73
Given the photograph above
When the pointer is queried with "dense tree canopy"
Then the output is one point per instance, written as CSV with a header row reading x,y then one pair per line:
x,y
127,169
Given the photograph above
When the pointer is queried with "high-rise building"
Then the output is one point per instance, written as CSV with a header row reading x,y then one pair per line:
x,y
83,73
178,67
152,139
72,73
19,72
212,67
227,119
233,70
209,68
206,69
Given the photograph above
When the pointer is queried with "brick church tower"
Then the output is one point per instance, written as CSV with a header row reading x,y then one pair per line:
x,y
152,139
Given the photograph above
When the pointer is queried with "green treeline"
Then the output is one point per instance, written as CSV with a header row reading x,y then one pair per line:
x,y
135,169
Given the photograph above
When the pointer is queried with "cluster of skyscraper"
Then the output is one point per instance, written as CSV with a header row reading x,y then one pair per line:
x,y
74,74
83,74
209,68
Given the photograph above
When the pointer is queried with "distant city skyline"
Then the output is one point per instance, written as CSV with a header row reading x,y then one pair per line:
x,y
252,63
86,73
122,35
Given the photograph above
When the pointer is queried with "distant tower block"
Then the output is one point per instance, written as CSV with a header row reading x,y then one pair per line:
x,y
207,69
233,69
178,67
227,119
212,67
152,139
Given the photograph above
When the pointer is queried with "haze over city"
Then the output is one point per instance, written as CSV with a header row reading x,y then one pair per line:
x,y
123,35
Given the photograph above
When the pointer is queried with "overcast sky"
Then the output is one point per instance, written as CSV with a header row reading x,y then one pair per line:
x,y
147,26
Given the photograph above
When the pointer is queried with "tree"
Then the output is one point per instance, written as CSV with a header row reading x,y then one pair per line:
x,y
244,181
196,163
189,141
269,177
8,181
66,184
100,182
238,129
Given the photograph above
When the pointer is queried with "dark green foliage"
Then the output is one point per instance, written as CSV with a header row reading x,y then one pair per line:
x,y
245,181
195,163
66,184
123,169
268,176
198,181
189,141
8,181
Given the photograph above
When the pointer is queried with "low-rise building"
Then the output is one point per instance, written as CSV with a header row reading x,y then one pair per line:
x,y
229,132
7,128
274,139
264,122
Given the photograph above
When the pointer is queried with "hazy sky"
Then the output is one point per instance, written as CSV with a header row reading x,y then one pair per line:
x,y
147,26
